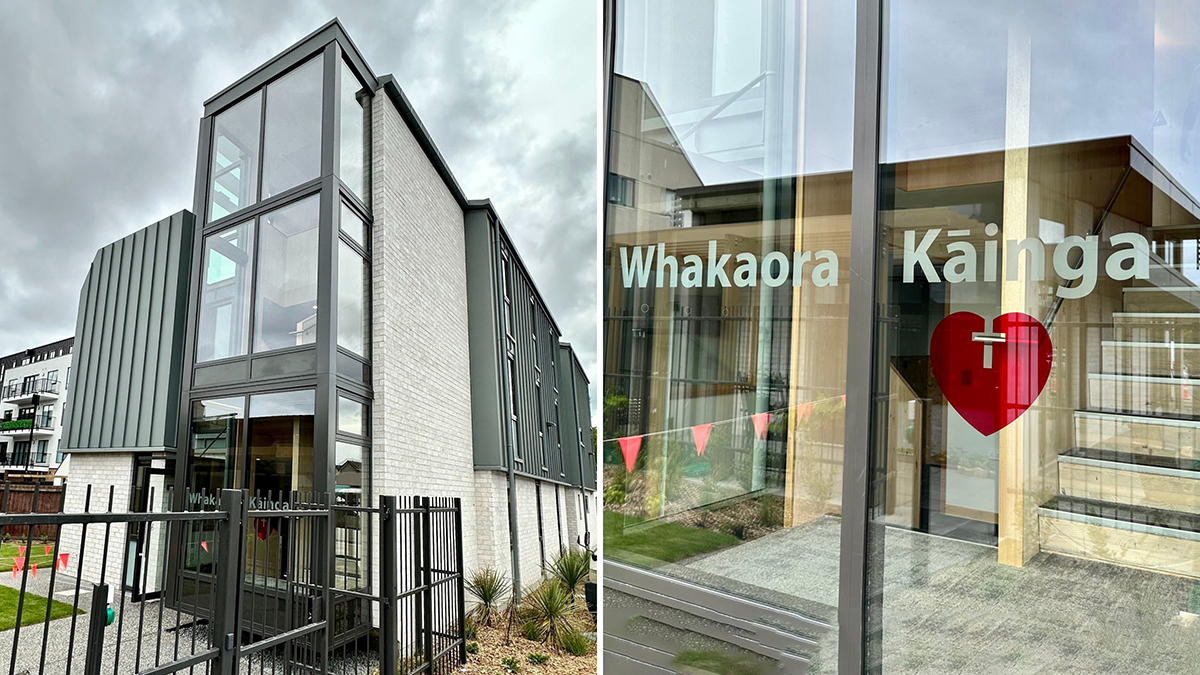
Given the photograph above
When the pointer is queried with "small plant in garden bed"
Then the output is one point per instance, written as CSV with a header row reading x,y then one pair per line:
x,y
549,608
571,569
472,647
511,664
529,629
538,659
576,644
491,588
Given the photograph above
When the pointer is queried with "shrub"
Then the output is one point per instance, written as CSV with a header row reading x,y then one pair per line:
x,y
511,664
549,608
472,647
576,643
491,588
538,659
530,630
470,628
614,495
571,570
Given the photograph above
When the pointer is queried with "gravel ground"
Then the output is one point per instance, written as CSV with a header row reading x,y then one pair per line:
x,y
493,648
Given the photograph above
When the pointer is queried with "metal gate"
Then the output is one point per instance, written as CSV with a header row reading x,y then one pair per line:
x,y
263,584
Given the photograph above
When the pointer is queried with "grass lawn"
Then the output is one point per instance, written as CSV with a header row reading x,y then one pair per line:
x,y
37,554
33,612
665,542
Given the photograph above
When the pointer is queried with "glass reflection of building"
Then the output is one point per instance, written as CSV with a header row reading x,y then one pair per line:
x,y
732,130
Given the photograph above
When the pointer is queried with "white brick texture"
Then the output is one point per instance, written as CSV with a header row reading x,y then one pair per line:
x,y
101,471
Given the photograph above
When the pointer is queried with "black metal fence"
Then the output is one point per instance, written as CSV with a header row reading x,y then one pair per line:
x,y
262,584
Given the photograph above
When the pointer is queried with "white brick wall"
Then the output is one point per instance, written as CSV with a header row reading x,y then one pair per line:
x,y
100,470
422,411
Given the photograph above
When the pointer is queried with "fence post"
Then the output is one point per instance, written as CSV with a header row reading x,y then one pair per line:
x,y
228,583
95,638
462,573
427,577
389,586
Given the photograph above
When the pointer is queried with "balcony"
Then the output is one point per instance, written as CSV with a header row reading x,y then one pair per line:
x,y
19,393
40,426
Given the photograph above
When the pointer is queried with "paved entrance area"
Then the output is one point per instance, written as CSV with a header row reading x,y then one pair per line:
x,y
949,607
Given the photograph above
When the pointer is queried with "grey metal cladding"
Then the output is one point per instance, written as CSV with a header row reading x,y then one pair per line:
x,y
567,414
583,415
129,335
487,404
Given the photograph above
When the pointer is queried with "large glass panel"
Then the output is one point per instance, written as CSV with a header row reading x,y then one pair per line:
x,y
292,142
353,296
726,265
281,444
351,547
234,170
355,228
353,161
1039,323
352,416
285,309
225,293
280,467
215,452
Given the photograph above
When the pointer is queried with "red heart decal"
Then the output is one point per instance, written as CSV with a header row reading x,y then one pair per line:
x,y
990,398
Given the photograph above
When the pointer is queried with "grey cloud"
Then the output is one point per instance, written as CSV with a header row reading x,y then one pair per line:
x,y
101,102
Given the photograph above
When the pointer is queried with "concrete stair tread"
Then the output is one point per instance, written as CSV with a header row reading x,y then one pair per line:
x,y
1135,459
1140,515
1142,416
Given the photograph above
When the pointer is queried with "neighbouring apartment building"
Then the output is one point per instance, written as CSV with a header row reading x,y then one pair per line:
x,y
332,316
901,337
32,402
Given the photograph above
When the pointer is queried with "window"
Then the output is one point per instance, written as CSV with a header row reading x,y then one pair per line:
x,y
225,293
512,409
52,377
353,162
352,416
355,228
285,310
234,168
506,270
350,488
620,190
281,443
216,445
354,288
42,446
292,140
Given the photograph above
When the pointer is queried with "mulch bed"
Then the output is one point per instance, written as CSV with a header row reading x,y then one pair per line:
x,y
493,648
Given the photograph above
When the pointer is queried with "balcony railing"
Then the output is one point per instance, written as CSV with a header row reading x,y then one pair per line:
x,y
25,424
31,387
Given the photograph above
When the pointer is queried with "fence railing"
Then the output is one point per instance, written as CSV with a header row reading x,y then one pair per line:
x,y
271,584
38,386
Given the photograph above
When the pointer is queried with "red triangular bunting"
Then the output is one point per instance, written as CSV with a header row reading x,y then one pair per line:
x,y
843,399
20,550
264,529
700,434
48,549
630,446
804,411
204,545
33,568
62,560
18,564
761,420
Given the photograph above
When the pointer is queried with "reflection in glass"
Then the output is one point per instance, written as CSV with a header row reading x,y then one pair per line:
x,y
353,294
353,160
234,169
351,546
225,293
215,453
352,416
355,227
292,142
285,310
730,140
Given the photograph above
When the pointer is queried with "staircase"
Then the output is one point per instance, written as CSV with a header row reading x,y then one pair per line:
x,y
1129,492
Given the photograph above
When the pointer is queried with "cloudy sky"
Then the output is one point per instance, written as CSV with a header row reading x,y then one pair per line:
x,y
100,105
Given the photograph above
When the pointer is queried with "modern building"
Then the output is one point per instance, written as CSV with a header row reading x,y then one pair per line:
x,y
333,316
901,309
32,402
